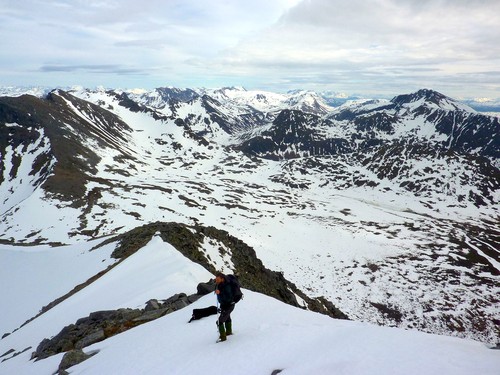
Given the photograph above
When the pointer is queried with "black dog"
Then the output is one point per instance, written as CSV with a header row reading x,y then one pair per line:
x,y
202,313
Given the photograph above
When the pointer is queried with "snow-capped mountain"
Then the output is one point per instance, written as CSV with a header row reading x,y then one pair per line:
x,y
18,91
384,209
259,100
161,96
336,99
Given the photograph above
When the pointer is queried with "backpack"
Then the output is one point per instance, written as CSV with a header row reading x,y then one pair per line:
x,y
235,287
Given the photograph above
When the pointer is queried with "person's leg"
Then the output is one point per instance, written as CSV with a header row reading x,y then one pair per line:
x,y
229,327
225,316
222,332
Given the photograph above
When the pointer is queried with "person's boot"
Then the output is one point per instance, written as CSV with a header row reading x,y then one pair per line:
x,y
222,332
229,328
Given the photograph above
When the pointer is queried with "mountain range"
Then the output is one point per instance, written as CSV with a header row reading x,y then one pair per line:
x,y
382,211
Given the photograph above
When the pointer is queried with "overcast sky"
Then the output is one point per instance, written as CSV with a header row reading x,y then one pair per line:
x,y
370,47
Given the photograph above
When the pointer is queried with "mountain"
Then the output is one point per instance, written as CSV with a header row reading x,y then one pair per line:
x,y
265,101
386,210
294,134
18,91
162,95
416,141
425,116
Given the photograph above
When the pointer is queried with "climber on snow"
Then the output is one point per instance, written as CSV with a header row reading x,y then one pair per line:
x,y
226,299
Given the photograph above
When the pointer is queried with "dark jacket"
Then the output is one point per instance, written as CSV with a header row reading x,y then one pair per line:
x,y
225,296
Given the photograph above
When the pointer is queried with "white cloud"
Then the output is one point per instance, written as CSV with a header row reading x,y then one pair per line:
x,y
355,45
412,42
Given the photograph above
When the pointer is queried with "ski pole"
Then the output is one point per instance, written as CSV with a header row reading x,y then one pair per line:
x,y
218,313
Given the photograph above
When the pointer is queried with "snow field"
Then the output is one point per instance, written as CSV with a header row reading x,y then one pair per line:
x,y
268,335
156,271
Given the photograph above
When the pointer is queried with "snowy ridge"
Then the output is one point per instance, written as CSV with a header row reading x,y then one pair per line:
x,y
392,205
289,339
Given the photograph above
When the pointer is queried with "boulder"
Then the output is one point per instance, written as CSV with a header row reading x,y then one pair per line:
x,y
152,304
151,315
128,314
71,358
193,298
174,298
180,303
205,288
90,339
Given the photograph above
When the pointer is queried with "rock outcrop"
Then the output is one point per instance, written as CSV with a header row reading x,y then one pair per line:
x,y
100,325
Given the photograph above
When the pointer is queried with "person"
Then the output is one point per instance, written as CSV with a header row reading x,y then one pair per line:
x,y
226,303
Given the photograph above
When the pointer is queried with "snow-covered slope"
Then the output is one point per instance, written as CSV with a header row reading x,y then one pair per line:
x,y
388,209
268,334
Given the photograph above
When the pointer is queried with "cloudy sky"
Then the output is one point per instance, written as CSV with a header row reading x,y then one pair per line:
x,y
369,47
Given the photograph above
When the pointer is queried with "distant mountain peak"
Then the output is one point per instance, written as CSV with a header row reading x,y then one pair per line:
x,y
426,94
234,88
431,98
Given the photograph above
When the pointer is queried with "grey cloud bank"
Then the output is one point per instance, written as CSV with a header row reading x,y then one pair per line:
x,y
371,47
